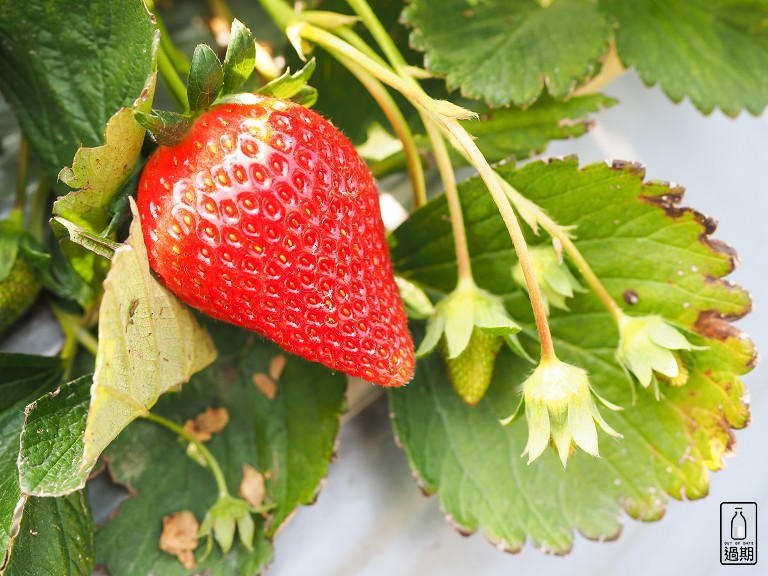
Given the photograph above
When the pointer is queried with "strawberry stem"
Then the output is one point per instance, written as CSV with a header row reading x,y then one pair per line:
x,y
556,231
173,82
176,57
213,464
443,113
380,35
21,179
448,176
38,209
464,142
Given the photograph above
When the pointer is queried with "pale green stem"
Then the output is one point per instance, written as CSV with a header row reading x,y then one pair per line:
x,y
337,46
213,464
467,144
172,80
69,328
464,142
37,209
448,176
353,39
21,180
380,35
87,340
281,13
399,125
179,61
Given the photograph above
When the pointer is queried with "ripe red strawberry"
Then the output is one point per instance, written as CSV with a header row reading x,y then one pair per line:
x,y
266,217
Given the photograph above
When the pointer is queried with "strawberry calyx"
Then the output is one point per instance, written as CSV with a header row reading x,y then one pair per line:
x,y
212,83
456,316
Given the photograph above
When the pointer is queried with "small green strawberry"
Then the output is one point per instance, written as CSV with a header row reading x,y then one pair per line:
x,y
470,372
18,292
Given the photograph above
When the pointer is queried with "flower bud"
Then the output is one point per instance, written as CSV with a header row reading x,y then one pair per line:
x,y
560,408
648,346
555,279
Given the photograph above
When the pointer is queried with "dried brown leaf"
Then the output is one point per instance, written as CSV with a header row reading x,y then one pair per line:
x,y
252,488
210,421
179,537
265,384
276,367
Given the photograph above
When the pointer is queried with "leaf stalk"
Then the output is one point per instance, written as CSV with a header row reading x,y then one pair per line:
x,y
213,464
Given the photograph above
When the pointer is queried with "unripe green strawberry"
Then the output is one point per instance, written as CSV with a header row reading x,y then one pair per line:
x,y
18,292
265,216
470,372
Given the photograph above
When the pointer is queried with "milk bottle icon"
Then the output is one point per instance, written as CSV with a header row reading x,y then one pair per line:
x,y
738,525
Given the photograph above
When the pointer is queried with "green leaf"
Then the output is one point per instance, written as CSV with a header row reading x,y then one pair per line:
x,y
288,85
205,78
52,446
240,58
149,344
100,173
509,50
24,378
504,133
675,270
56,537
714,52
67,67
290,439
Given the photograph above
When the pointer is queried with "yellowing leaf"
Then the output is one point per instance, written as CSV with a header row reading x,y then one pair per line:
x,y
99,173
149,343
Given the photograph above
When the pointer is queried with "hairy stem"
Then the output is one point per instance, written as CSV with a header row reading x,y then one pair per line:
x,y
280,12
380,35
465,142
442,113
448,177
213,464
556,231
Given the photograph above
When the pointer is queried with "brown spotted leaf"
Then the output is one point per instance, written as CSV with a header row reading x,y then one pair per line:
x,y
654,257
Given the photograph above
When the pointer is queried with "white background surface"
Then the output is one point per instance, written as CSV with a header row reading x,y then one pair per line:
x,y
371,519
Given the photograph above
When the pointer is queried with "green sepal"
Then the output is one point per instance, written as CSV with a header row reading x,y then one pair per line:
x,y
165,128
457,314
514,344
223,518
417,304
240,58
289,85
206,78
553,275
649,345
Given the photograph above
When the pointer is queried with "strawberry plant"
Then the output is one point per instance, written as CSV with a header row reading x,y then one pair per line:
x,y
194,202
